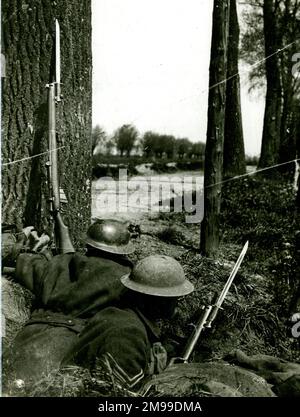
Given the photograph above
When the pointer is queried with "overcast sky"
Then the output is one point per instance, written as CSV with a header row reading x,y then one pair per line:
x,y
150,68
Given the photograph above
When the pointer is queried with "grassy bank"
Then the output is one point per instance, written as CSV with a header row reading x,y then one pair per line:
x,y
254,317
261,299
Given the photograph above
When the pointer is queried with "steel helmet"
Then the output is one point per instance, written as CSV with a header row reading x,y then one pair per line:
x,y
110,236
158,275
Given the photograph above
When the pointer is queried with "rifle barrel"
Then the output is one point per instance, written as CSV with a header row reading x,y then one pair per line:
x,y
195,335
210,313
53,163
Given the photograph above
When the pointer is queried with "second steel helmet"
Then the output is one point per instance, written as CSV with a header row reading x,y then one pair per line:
x,y
110,236
158,275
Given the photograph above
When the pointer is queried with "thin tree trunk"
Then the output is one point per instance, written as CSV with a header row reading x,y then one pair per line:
x,y
234,151
288,136
271,128
298,156
28,40
209,242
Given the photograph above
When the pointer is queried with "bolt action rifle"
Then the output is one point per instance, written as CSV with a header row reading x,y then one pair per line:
x,y
209,314
62,239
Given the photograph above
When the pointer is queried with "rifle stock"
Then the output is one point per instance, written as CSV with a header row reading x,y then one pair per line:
x,y
63,240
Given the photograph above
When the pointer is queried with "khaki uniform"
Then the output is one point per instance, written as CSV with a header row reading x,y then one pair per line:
x,y
69,290
124,341
77,319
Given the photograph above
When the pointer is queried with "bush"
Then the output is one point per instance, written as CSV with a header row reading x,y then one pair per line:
x,y
263,211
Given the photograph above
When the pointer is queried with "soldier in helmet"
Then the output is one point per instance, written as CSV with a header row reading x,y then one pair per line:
x,y
125,339
69,290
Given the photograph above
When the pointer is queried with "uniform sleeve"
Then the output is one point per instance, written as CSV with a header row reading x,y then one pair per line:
x,y
125,357
117,341
30,271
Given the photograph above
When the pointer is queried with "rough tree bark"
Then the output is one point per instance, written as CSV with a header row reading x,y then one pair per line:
x,y
271,128
213,169
288,128
28,45
298,156
234,152
289,30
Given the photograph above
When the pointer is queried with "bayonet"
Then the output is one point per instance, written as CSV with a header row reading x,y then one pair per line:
x,y
227,286
57,61
209,312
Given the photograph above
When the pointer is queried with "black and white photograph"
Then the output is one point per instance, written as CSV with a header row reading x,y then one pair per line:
x,y
150,211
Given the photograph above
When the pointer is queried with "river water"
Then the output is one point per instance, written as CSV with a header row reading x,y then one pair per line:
x,y
134,198
144,196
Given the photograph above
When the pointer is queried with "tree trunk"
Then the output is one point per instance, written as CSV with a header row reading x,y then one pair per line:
x,y
271,128
28,42
215,129
289,31
288,134
234,152
298,156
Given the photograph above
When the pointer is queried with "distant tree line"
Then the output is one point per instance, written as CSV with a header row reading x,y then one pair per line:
x,y
126,141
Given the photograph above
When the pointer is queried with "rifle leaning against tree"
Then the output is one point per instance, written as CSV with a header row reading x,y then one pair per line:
x,y
62,239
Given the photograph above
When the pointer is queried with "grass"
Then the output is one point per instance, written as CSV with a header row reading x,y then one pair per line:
x,y
263,212
259,304
256,309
